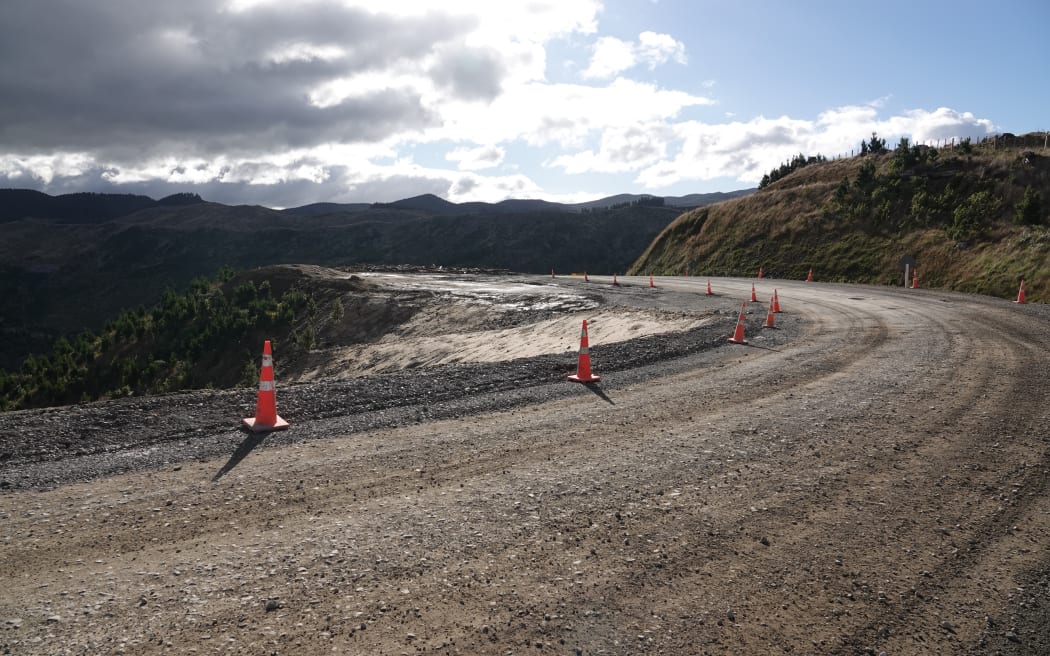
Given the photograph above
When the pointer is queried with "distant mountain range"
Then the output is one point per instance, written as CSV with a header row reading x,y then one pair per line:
x,y
438,206
81,207
74,261
96,208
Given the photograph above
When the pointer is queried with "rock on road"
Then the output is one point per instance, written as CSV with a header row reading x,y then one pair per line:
x,y
876,484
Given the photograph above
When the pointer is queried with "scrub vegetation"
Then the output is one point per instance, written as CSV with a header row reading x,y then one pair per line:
x,y
209,336
974,217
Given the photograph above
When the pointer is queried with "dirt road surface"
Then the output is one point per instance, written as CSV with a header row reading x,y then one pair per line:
x,y
875,484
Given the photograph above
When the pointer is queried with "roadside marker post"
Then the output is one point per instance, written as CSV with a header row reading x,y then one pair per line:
x,y
907,265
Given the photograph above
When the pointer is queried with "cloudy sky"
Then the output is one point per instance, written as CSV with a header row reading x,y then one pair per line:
x,y
288,102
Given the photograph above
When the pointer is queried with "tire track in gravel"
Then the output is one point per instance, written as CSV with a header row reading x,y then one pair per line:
x,y
390,456
534,602
991,360
959,406
124,540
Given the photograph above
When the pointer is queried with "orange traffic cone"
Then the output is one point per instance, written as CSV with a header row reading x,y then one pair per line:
x,y
915,280
651,280
738,334
759,273
687,271
266,417
776,302
585,278
770,322
709,292
552,273
754,299
1020,294
809,278
583,365
615,284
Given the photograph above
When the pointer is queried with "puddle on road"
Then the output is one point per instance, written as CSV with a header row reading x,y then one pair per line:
x,y
499,295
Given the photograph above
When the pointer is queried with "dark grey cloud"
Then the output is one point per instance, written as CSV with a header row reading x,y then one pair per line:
x,y
471,74
464,186
125,78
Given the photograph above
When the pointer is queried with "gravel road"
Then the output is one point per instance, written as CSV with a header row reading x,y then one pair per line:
x,y
871,477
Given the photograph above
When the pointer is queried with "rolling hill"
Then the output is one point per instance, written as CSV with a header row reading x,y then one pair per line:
x,y
70,263
974,218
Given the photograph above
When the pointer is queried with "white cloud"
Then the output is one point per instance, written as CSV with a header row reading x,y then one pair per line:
x,y
305,52
612,56
45,168
476,159
941,124
747,150
290,101
563,115
654,49
622,148
737,150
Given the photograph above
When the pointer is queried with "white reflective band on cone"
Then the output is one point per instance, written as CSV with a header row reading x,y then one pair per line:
x,y
265,385
267,361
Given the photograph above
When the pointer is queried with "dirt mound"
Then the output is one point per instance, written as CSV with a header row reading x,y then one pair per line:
x,y
370,322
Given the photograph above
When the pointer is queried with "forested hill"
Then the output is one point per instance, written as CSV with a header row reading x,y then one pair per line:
x,y
72,263
973,216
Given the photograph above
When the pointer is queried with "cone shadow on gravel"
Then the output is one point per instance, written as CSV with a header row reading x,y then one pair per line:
x,y
243,449
599,392
759,346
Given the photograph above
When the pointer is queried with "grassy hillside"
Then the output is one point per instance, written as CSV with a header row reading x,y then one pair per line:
x,y
975,218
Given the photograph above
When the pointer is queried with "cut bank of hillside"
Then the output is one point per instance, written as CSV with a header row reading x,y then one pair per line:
x,y
974,218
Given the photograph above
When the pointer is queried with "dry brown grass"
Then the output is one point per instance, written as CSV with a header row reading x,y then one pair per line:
x,y
795,223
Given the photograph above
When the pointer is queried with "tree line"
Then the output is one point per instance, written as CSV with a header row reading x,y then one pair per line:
x,y
906,196
207,336
909,196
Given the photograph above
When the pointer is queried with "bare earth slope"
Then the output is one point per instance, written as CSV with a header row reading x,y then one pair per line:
x,y
871,478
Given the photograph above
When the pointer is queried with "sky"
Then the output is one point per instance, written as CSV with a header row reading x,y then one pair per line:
x,y
284,103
